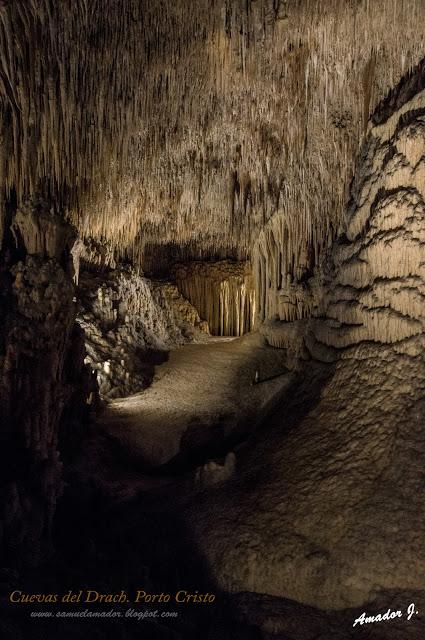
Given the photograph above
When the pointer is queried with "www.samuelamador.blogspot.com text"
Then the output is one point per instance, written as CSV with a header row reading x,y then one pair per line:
x,y
86,614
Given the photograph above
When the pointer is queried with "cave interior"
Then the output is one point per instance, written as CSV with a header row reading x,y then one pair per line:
x,y
212,315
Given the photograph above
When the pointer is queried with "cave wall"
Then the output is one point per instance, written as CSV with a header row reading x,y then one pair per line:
x,y
283,270
338,471
43,381
130,323
225,128
377,293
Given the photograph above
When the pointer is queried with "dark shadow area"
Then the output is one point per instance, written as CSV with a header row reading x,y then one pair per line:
x,y
136,546
142,544
285,415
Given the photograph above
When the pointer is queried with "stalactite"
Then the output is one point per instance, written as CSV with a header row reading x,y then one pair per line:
x,y
222,292
346,450
42,231
282,260
138,130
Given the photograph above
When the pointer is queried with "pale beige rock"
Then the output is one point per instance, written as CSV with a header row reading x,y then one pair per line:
x,y
130,323
222,292
328,509
204,396
196,123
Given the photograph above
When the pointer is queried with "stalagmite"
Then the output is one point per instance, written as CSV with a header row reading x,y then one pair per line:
x,y
44,385
328,507
378,291
176,170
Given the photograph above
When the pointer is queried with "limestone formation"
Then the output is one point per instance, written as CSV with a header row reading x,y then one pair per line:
x,y
214,473
175,174
282,266
203,399
40,363
378,291
222,292
42,231
290,336
337,474
196,123
130,323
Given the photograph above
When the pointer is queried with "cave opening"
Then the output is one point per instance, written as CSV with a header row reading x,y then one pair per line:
x,y
212,319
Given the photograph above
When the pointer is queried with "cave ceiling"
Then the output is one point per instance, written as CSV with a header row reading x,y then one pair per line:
x,y
196,123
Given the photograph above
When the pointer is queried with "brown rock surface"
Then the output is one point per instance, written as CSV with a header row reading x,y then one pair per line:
x,y
41,374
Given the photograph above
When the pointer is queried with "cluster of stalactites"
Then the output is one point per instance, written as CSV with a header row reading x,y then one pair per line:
x,y
180,120
283,262
223,294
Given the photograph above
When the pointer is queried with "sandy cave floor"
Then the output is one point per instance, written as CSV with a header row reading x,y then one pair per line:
x,y
202,396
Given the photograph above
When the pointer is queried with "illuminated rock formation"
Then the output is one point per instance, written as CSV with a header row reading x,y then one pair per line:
x,y
197,123
221,137
222,292
378,290
130,323
281,266
339,478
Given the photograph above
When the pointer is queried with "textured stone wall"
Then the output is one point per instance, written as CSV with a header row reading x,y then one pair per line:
x,y
328,506
197,122
377,292
282,267
42,377
130,323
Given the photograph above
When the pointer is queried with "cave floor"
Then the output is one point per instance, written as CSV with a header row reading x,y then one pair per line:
x,y
202,398
136,524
